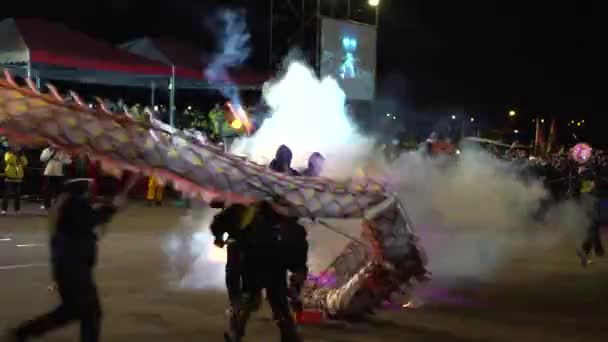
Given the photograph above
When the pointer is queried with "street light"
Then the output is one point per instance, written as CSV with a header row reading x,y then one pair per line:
x,y
472,119
542,120
512,113
453,117
516,131
373,3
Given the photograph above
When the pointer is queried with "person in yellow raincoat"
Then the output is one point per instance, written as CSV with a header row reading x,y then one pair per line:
x,y
14,171
155,191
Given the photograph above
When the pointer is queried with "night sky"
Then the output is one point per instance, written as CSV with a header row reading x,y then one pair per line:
x,y
435,56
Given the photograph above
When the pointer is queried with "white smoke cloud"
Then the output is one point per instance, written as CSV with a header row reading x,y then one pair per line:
x,y
308,115
474,215
194,262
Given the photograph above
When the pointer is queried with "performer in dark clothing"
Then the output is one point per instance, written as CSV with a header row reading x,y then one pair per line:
x,y
266,268
73,259
294,235
587,188
232,221
282,161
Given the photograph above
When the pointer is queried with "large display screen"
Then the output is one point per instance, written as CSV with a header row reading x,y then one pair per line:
x,y
348,52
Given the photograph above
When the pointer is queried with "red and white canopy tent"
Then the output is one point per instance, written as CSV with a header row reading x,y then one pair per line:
x,y
189,63
53,51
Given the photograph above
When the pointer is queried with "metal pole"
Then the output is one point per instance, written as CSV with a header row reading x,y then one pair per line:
x,y
152,94
318,38
377,16
271,32
28,70
348,9
172,98
374,114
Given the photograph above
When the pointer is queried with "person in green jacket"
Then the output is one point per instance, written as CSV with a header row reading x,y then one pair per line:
x,y
15,162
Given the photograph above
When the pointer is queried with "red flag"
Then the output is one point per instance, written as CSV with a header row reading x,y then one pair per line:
x,y
552,136
539,141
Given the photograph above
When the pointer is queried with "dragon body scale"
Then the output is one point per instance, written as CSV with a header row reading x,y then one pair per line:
x,y
362,276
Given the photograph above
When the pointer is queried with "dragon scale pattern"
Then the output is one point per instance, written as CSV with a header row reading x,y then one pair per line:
x,y
389,256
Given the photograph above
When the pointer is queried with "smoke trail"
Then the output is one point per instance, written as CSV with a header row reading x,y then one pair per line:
x,y
234,48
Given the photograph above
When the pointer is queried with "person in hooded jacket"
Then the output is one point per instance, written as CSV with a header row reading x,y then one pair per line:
x,y
294,243
315,165
282,161
73,247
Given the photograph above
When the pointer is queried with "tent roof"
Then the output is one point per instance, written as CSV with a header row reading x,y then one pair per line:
x,y
37,41
189,61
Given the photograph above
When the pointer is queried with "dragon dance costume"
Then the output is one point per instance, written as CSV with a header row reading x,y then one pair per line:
x,y
359,279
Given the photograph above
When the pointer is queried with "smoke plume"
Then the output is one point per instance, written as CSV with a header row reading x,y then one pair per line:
x,y
233,39
474,214
308,115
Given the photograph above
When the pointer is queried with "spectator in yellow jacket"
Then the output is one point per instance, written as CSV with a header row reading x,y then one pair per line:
x,y
155,191
14,171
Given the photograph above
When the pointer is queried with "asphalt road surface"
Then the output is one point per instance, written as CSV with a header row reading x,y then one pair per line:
x,y
544,297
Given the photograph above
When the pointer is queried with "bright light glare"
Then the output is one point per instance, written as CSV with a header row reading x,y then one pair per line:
x,y
156,108
373,3
453,117
511,113
189,107
236,124
542,120
472,119
217,255
516,131
388,115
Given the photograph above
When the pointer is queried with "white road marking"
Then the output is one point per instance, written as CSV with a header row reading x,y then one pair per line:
x,y
15,267
5,239
31,245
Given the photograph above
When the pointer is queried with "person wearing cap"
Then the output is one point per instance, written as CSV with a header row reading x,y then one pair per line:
x,y
74,219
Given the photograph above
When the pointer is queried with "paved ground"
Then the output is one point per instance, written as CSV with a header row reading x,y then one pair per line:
x,y
542,297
